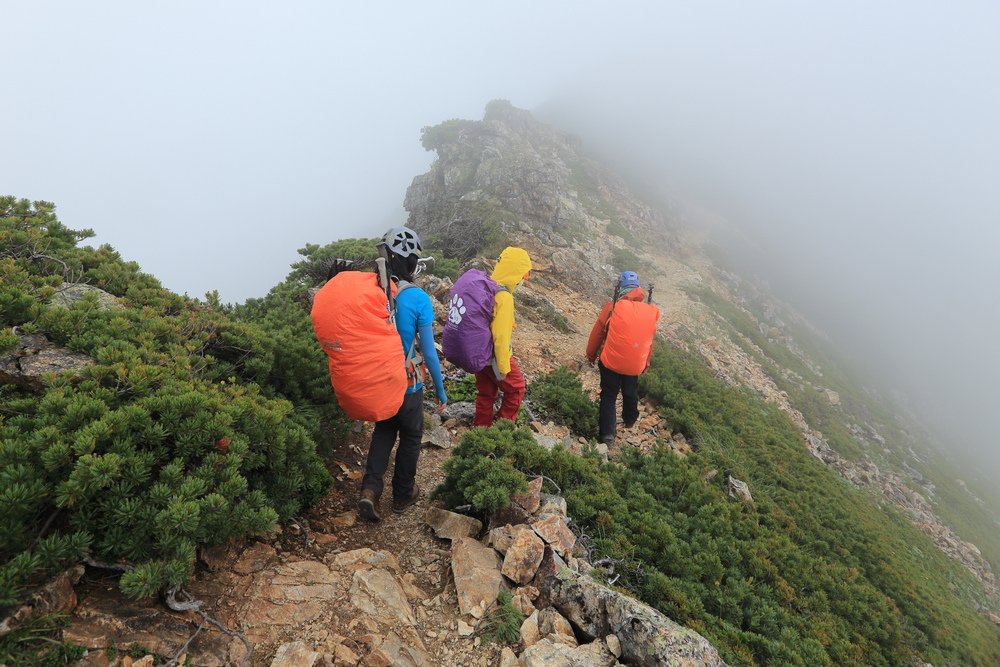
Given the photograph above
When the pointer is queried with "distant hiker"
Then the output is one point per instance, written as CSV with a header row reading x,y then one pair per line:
x,y
478,333
625,328
371,329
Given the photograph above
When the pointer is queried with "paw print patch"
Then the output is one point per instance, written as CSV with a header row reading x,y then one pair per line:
x,y
457,310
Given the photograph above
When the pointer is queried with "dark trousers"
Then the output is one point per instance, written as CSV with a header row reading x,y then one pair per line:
x,y
408,423
611,384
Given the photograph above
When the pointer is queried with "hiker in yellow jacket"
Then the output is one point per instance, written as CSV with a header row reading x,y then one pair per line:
x,y
503,374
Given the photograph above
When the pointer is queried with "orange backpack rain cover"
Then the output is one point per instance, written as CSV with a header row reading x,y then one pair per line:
x,y
367,365
630,337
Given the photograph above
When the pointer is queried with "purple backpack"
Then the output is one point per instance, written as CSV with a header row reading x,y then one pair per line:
x,y
467,341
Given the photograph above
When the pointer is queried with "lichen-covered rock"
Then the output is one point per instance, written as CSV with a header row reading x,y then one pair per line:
x,y
555,531
451,525
69,294
393,652
378,593
476,570
530,499
502,537
34,357
647,637
295,654
523,557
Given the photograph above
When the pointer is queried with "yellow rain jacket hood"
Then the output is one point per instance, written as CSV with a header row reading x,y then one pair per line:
x,y
513,266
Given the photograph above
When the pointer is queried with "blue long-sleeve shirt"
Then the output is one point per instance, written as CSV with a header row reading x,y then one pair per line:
x,y
414,312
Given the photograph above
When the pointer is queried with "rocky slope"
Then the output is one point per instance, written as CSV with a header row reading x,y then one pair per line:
x,y
513,177
410,591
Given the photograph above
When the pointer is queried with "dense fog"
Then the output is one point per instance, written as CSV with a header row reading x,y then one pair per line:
x,y
855,147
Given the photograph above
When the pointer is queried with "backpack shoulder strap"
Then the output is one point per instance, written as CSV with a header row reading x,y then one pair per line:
x,y
413,356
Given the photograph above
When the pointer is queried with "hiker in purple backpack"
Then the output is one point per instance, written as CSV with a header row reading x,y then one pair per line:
x,y
477,336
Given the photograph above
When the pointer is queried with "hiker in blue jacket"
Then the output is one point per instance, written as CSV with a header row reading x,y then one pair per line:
x,y
414,318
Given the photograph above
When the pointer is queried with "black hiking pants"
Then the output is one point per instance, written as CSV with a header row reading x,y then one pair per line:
x,y
408,423
611,384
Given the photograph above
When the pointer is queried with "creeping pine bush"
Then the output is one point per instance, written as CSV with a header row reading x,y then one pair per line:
x,y
816,575
181,434
559,396
502,624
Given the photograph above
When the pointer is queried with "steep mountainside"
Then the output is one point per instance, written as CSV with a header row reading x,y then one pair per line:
x,y
510,178
766,506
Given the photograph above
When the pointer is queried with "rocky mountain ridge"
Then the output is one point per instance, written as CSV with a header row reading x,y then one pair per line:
x,y
532,185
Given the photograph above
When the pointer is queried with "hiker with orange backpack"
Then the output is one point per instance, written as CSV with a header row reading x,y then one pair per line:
x,y
625,328
479,331
378,343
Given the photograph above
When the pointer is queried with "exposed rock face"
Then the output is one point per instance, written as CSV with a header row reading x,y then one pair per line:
x,y
647,637
476,569
739,489
34,357
377,593
69,294
554,530
512,176
394,652
56,597
450,525
530,499
295,654
523,557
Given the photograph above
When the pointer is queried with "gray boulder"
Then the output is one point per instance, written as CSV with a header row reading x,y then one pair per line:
x,y
647,637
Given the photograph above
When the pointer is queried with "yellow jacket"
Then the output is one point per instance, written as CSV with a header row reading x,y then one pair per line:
x,y
513,266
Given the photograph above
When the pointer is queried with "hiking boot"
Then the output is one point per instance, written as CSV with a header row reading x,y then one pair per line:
x,y
368,506
608,440
399,506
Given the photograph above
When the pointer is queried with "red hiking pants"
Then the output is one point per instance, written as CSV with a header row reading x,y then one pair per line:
x,y
488,386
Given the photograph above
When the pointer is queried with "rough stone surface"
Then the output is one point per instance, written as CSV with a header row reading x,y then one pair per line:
x,y
551,504
647,637
34,357
551,624
295,654
55,597
377,593
739,489
523,557
501,538
529,630
105,616
394,652
554,530
545,653
254,558
507,658
450,525
476,570
530,499
438,437
69,293
463,411
359,559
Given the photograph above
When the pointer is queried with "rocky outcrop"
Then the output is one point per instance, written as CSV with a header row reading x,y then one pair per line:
x,y
511,177
451,525
69,294
35,357
646,636
476,570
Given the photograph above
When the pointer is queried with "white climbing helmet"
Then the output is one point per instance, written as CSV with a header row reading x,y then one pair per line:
x,y
403,241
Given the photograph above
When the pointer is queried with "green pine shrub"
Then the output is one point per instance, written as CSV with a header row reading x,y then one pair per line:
x,y
559,396
816,575
502,624
183,433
